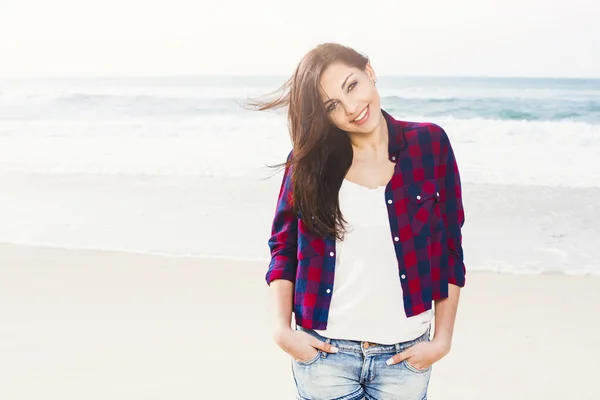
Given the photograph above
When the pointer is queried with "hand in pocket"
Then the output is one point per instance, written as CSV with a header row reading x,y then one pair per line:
x,y
301,346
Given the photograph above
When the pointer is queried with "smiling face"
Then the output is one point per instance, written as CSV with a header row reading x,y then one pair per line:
x,y
350,98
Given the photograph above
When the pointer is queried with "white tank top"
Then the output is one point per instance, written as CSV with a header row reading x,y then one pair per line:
x,y
367,303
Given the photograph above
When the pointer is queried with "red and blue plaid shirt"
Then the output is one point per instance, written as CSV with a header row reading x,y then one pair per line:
x,y
425,209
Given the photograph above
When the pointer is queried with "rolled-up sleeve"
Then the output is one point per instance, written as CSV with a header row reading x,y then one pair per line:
x,y
453,211
283,242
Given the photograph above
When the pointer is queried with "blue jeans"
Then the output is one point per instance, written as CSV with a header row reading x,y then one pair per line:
x,y
358,371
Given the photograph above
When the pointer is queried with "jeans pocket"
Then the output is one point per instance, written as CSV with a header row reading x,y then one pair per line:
x,y
309,362
415,370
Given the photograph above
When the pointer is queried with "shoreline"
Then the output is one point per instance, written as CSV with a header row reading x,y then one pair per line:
x,y
509,229
261,261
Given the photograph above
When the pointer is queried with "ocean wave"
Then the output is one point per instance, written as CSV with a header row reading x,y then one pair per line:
x,y
94,105
142,104
550,109
529,152
517,115
114,102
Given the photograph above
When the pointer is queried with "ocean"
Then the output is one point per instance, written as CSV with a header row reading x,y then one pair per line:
x,y
176,166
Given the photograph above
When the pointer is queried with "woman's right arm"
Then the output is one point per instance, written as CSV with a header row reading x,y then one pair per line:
x,y
280,301
281,277
283,244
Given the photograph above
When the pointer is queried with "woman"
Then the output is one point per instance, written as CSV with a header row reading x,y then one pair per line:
x,y
366,239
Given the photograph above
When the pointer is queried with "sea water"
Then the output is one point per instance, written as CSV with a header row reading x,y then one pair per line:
x,y
176,165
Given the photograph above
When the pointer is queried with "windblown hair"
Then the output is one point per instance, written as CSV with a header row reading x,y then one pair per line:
x,y
321,153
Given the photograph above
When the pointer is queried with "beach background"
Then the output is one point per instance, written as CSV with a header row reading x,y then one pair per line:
x,y
136,200
176,166
135,213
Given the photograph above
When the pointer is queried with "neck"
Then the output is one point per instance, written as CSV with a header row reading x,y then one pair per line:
x,y
373,144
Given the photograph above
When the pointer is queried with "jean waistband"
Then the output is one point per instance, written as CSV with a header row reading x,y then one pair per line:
x,y
367,347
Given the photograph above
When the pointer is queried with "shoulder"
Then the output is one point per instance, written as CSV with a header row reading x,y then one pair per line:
x,y
411,133
423,132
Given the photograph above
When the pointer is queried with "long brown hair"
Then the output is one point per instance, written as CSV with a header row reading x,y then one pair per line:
x,y
321,153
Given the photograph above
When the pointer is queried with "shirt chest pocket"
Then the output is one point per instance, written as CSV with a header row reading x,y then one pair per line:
x,y
423,206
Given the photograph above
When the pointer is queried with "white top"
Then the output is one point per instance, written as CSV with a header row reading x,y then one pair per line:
x,y
367,303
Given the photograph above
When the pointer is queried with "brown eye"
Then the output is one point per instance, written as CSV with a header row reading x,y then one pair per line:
x,y
331,107
352,85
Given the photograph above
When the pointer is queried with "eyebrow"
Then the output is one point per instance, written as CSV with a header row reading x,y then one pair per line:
x,y
346,80
343,84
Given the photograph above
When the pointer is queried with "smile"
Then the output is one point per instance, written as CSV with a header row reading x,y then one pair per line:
x,y
362,117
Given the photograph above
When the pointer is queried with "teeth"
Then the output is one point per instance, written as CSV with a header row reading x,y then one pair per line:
x,y
362,115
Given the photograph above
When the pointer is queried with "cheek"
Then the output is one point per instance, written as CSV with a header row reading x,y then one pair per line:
x,y
338,119
371,93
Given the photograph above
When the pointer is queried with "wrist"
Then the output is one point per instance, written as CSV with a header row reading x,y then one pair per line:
x,y
443,345
280,332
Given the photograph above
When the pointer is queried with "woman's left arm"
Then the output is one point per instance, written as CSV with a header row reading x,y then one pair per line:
x,y
445,315
454,218
423,354
452,209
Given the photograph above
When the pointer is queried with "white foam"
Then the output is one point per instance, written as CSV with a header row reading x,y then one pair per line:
x,y
507,152
526,152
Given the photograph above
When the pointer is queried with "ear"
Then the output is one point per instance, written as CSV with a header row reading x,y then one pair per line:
x,y
370,72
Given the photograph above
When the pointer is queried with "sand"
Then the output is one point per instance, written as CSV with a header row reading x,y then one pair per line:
x,y
108,325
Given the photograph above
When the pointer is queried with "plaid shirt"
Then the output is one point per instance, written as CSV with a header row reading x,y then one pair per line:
x,y
424,204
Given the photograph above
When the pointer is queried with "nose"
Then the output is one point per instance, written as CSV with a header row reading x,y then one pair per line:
x,y
351,108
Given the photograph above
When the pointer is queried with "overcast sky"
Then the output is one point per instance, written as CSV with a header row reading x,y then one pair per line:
x,y
539,38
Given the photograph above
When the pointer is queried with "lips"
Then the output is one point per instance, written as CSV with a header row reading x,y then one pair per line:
x,y
362,117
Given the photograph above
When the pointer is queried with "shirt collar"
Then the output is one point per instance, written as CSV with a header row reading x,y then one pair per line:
x,y
396,140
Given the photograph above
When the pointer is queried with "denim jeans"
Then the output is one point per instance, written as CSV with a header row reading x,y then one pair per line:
x,y
358,371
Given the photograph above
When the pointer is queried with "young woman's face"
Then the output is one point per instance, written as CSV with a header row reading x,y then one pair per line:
x,y
350,98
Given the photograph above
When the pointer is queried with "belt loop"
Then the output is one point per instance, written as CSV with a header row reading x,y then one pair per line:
x,y
397,346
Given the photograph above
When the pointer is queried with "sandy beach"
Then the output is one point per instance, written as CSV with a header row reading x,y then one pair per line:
x,y
108,325
135,216
137,197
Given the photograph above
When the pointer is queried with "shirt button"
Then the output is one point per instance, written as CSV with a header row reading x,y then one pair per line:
x,y
418,197
403,276
331,254
396,238
437,193
389,201
328,290
393,158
